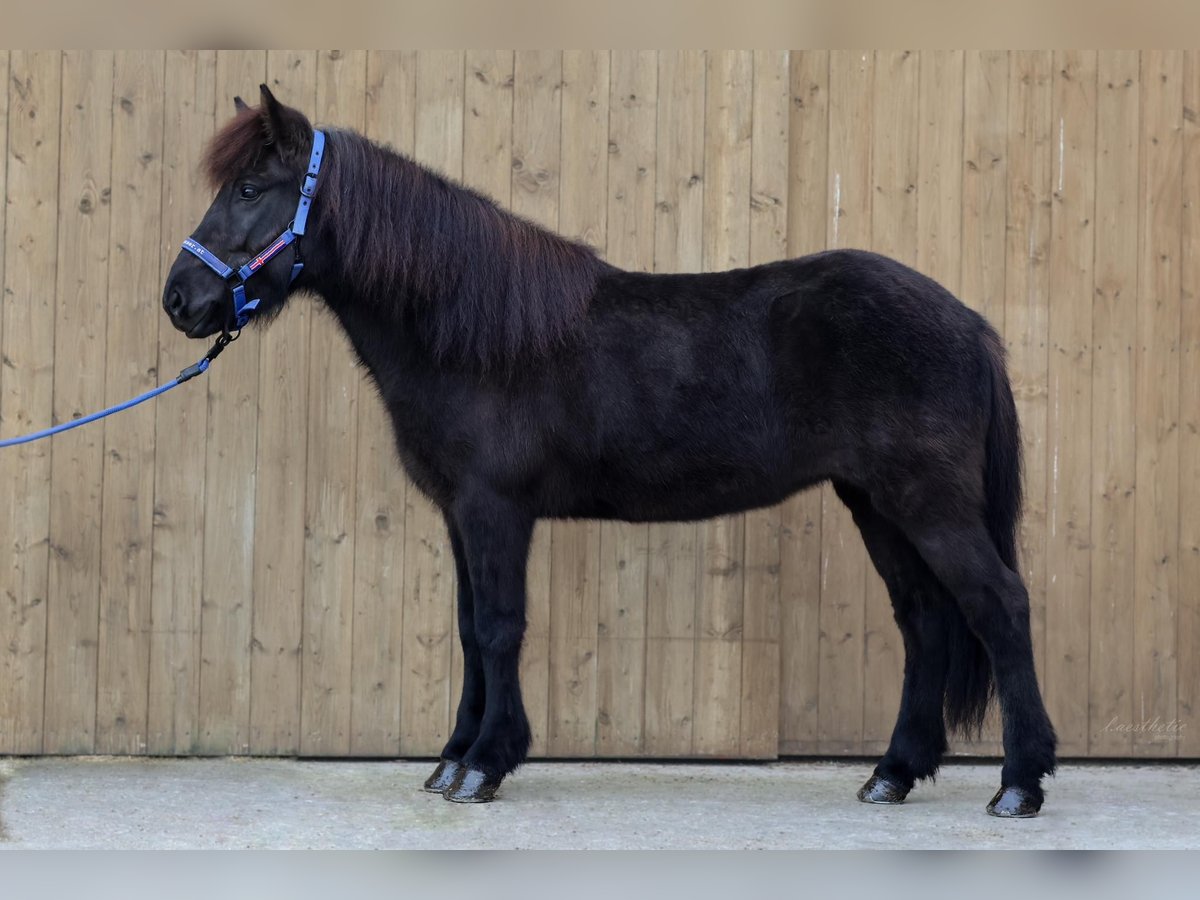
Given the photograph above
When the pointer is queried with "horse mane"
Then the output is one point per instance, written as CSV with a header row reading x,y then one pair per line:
x,y
483,287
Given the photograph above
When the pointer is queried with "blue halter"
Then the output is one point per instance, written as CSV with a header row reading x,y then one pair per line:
x,y
243,308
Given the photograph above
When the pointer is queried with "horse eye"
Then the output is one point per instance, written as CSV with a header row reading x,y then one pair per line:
x,y
249,192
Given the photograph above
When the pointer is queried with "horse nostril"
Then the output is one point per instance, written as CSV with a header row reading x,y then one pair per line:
x,y
174,302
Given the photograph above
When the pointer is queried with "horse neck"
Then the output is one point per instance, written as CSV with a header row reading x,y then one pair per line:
x,y
435,259
364,225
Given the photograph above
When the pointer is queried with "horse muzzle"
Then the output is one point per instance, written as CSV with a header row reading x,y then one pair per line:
x,y
194,308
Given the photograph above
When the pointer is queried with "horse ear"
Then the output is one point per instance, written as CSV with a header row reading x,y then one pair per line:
x,y
274,113
268,99
286,127
239,104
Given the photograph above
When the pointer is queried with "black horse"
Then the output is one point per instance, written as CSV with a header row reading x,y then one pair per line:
x,y
526,378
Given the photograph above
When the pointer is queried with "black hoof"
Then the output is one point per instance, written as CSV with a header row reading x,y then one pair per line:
x,y
443,776
472,786
1014,803
880,790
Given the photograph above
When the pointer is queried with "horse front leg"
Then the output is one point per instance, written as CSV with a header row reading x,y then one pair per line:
x,y
471,702
495,535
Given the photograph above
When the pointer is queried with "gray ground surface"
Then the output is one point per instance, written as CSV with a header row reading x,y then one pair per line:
x,y
155,803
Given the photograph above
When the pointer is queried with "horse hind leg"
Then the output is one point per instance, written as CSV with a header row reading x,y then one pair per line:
x,y
995,604
923,612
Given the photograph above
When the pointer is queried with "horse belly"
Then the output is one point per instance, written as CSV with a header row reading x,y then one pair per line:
x,y
686,482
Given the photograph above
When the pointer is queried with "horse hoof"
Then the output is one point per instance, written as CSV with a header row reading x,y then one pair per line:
x,y
1014,803
443,776
880,790
472,786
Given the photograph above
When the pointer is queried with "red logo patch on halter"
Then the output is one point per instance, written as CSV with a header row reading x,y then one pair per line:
x,y
260,261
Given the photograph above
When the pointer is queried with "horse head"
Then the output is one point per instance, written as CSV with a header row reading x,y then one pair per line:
x,y
257,165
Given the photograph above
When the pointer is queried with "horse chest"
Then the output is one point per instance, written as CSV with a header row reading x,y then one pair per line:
x,y
423,452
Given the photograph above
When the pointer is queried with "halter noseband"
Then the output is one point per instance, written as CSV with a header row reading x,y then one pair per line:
x,y
243,308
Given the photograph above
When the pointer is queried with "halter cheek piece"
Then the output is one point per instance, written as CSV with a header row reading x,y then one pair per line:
x,y
243,308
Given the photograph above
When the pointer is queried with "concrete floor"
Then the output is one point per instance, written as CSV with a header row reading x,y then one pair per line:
x,y
174,803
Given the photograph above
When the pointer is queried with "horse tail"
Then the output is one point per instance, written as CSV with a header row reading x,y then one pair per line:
x,y
969,675
970,687
1002,457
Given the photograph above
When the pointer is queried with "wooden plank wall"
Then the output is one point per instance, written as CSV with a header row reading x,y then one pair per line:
x,y
241,568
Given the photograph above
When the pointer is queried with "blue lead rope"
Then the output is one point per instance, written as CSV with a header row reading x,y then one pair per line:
x,y
75,423
190,372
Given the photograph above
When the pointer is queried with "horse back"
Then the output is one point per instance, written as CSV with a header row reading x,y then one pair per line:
x,y
691,396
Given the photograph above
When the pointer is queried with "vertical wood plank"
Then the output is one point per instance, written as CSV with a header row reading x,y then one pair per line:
x,y
180,426
984,182
428,562
575,546
1026,305
283,376
897,182
678,247
984,228
721,542
800,517
984,234
26,389
759,703
939,208
4,68
895,141
6,475
1188,635
941,196
376,683
226,615
1156,504
333,389
132,354
1114,333
487,123
76,468
984,225
621,616
537,117
843,559
1069,402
